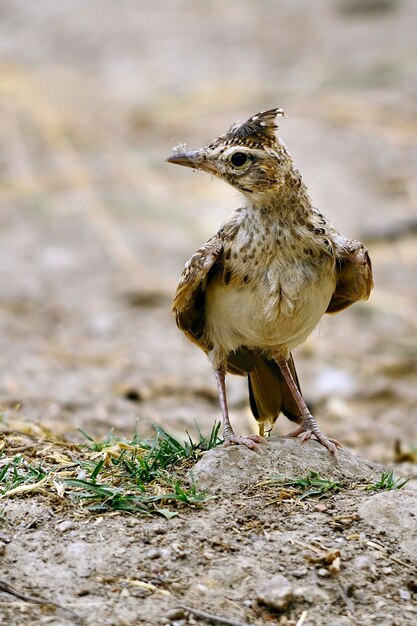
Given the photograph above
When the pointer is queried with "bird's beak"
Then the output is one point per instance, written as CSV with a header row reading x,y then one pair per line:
x,y
194,159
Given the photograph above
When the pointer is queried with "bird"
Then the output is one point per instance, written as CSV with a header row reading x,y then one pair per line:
x,y
258,287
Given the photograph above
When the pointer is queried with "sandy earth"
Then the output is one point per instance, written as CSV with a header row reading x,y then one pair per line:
x,y
94,231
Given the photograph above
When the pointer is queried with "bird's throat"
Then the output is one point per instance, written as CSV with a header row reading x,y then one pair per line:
x,y
287,203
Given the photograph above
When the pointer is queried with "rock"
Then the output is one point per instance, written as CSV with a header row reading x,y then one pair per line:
x,y
228,470
395,512
311,594
276,593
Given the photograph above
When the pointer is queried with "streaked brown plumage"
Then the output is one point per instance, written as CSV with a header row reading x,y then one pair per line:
x,y
260,285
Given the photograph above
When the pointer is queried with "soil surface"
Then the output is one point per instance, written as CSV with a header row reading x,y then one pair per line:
x,y
94,231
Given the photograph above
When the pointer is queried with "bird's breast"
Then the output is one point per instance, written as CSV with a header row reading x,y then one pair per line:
x,y
266,307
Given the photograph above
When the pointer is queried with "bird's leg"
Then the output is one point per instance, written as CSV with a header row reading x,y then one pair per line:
x,y
230,438
308,425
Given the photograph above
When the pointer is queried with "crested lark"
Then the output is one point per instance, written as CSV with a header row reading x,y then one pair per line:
x,y
260,285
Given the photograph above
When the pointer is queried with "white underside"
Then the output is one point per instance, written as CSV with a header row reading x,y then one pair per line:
x,y
244,316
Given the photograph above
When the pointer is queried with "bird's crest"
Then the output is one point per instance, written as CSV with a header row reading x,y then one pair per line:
x,y
258,130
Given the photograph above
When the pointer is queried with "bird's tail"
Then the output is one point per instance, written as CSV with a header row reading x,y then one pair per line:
x,y
269,394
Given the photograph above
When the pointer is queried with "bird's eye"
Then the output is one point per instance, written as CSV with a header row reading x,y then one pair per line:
x,y
238,159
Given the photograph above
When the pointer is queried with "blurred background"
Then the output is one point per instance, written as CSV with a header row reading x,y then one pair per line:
x,y
95,227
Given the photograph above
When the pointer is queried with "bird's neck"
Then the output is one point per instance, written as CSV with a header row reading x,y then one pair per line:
x,y
287,203
292,198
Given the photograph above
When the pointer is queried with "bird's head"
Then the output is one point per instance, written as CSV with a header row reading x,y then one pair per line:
x,y
250,157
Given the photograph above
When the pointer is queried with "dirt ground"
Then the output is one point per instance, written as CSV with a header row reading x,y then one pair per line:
x,y
94,231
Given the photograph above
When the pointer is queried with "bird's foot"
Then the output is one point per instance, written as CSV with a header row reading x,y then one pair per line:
x,y
251,441
308,428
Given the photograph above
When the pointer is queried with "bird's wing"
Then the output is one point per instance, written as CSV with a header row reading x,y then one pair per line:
x,y
353,274
189,300
190,297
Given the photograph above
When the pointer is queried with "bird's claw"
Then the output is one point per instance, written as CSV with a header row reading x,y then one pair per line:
x,y
251,441
306,433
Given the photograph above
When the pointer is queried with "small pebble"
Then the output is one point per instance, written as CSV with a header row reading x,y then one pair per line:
x,y
202,590
131,522
312,594
153,553
359,594
387,570
323,572
65,525
156,568
124,593
300,573
381,587
277,594
158,529
341,621
404,594
207,554
176,613
361,562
